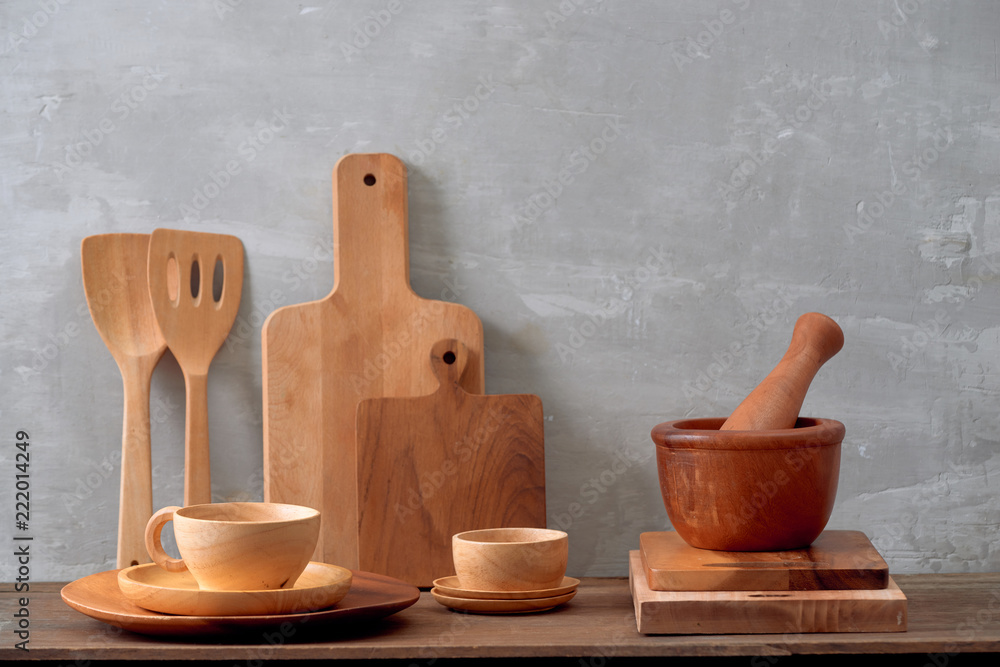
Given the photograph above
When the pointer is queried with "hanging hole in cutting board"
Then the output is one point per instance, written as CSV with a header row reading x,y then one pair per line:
x,y
173,279
195,279
218,280
448,357
369,179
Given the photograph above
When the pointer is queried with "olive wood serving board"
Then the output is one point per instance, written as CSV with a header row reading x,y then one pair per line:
x,y
837,559
763,612
436,465
368,338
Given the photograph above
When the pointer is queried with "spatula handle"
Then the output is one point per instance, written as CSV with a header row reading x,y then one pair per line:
x,y
135,501
776,401
197,462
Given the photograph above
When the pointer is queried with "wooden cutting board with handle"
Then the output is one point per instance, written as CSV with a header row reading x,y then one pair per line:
x,y
368,338
432,466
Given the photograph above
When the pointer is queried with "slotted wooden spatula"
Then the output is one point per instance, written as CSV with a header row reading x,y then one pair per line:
x,y
436,465
368,338
182,280
114,280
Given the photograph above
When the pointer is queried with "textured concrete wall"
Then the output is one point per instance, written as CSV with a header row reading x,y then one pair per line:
x,y
638,199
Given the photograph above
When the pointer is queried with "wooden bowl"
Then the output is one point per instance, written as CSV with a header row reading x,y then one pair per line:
x,y
748,490
510,559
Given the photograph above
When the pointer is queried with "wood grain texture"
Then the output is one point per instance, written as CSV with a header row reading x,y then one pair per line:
x,y
942,608
320,586
436,465
837,559
510,559
371,597
195,325
368,338
764,612
115,283
480,606
776,401
748,490
452,587
239,545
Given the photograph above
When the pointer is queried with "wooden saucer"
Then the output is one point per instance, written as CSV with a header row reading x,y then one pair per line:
x,y
371,597
480,606
451,587
321,585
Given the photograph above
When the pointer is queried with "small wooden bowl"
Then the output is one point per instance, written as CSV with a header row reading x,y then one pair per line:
x,y
510,559
748,490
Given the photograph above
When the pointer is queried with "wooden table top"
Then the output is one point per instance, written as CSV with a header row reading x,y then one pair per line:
x,y
950,613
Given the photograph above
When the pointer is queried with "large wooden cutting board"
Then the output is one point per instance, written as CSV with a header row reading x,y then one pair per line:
x,y
368,338
436,465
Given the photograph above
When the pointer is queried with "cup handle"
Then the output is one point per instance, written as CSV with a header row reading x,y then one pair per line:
x,y
153,529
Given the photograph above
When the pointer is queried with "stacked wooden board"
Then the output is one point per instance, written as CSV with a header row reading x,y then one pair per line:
x,y
839,584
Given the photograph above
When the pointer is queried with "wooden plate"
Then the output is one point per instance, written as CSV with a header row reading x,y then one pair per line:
x,y
501,606
451,587
151,587
372,596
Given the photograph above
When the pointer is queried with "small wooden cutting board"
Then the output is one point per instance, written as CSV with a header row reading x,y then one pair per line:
x,y
837,559
436,465
763,612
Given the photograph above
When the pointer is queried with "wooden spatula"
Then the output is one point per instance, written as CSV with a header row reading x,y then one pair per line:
x,y
114,280
368,338
776,401
182,281
436,465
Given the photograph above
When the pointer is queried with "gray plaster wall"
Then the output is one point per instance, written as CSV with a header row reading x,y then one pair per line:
x,y
638,200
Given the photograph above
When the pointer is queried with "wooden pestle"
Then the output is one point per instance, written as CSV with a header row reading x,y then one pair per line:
x,y
776,401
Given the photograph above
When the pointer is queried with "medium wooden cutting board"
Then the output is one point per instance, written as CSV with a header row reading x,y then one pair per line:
x,y
368,338
837,559
436,465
